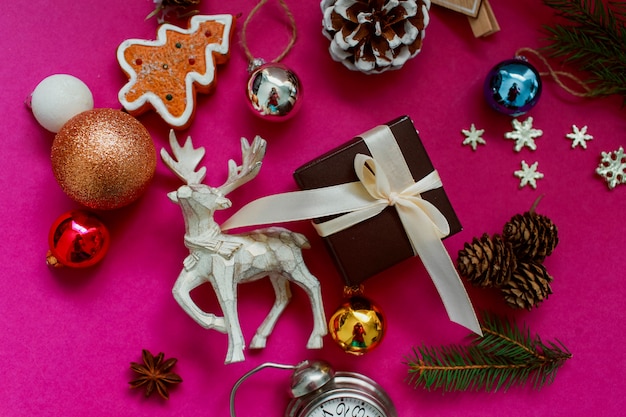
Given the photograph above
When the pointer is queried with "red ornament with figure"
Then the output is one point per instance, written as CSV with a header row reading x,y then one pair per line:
x,y
77,239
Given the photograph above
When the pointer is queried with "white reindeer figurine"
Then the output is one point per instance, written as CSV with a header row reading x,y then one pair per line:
x,y
226,260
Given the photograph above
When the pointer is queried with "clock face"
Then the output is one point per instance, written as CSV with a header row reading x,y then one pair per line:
x,y
347,395
345,406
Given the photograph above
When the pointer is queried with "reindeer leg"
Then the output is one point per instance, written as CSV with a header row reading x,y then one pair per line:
x,y
304,279
283,295
186,282
225,286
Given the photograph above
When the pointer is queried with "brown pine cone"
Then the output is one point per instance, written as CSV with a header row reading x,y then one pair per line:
x,y
533,236
487,262
179,3
529,285
373,36
165,6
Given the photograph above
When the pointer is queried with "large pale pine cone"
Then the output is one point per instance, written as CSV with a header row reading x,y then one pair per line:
x,y
487,262
373,36
533,236
529,285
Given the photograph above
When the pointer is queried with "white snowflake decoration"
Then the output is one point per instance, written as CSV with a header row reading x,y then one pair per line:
x,y
524,134
613,167
473,137
579,137
528,175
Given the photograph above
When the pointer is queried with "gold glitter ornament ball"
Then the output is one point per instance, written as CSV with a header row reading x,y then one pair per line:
x,y
103,158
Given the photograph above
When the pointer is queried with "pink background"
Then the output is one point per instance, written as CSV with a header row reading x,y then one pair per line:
x,y
67,336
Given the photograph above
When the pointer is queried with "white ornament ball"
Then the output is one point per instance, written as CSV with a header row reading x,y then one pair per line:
x,y
58,98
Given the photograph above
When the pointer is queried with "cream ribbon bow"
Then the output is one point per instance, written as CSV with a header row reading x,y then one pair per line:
x,y
408,202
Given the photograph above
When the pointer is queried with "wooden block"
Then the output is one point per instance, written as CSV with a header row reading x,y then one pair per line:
x,y
485,23
467,7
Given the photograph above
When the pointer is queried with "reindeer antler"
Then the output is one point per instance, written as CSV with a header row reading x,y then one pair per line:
x,y
252,157
185,161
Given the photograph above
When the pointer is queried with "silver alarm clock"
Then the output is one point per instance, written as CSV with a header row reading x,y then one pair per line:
x,y
319,391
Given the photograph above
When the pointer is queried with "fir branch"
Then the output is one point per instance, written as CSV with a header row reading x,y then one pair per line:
x,y
593,40
504,356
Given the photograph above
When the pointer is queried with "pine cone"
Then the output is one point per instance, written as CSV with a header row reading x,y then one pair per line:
x,y
533,236
163,7
179,3
487,262
373,36
529,285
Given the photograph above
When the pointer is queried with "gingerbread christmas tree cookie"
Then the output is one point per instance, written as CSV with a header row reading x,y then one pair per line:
x,y
165,74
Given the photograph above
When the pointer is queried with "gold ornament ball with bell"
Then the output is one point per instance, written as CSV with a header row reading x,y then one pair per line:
x,y
357,326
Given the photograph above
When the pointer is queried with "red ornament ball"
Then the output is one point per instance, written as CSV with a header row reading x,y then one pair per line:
x,y
77,239
103,159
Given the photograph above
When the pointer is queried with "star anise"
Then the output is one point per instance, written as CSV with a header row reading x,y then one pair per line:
x,y
154,373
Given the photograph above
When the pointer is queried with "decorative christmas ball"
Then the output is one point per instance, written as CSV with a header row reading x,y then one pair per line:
x,y
513,87
357,326
57,99
77,239
274,92
103,159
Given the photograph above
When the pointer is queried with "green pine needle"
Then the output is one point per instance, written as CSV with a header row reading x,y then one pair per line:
x,y
593,39
504,356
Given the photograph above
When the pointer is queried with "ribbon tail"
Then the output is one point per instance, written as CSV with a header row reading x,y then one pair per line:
x,y
451,290
301,205
437,262
347,220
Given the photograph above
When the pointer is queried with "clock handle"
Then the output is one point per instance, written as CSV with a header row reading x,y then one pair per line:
x,y
248,374
307,377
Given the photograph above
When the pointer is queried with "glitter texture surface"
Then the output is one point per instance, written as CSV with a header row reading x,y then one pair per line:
x,y
103,159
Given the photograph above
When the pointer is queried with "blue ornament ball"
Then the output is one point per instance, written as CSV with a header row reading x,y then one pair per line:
x,y
512,87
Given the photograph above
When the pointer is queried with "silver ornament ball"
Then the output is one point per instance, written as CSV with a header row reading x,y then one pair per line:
x,y
274,92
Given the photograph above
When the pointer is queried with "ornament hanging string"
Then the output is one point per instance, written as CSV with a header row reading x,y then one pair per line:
x,y
292,40
558,76
274,91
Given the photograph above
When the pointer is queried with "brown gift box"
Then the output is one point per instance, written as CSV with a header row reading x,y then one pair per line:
x,y
375,244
